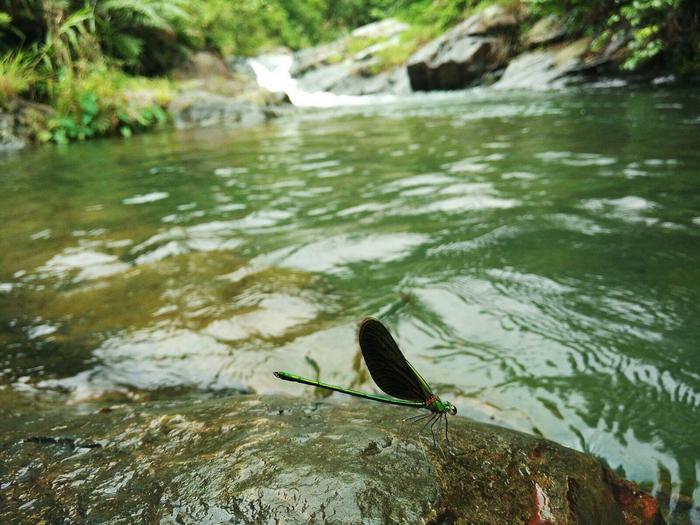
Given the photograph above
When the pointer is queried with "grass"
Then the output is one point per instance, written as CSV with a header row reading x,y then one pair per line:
x,y
17,76
410,41
393,55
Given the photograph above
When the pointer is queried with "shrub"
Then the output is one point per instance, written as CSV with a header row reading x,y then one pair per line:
x,y
94,103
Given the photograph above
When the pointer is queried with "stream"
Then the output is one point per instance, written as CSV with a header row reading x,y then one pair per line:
x,y
535,255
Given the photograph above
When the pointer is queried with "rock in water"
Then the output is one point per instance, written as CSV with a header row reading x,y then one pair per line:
x,y
480,44
551,68
198,108
263,460
9,140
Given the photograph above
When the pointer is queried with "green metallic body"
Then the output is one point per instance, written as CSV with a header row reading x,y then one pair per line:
x,y
437,405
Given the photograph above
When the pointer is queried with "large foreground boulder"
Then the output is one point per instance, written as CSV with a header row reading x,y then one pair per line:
x,y
264,460
480,44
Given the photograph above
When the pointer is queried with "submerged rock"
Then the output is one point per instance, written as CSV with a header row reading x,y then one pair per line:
x,y
254,459
480,44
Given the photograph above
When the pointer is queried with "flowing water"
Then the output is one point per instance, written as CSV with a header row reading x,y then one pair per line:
x,y
536,255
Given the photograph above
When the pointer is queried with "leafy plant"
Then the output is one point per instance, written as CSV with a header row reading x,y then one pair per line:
x,y
17,75
5,20
96,104
69,36
653,27
125,29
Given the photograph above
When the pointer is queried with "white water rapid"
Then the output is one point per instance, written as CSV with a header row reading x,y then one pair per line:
x,y
273,73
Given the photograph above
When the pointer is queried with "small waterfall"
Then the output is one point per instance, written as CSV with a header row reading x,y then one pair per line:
x,y
273,73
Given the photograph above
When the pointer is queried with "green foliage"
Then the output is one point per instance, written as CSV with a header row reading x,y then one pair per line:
x,y
439,14
68,38
17,75
140,33
244,27
94,104
394,55
645,18
72,54
656,27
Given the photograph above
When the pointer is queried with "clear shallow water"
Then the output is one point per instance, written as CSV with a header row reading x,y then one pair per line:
x,y
535,255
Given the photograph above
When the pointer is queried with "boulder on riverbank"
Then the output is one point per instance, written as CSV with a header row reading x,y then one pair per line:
x,y
495,45
19,122
546,68
9,137
252,459
352,64
480,44
200,108
212,91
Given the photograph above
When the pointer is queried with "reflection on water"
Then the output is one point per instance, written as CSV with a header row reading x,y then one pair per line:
x,y
535,255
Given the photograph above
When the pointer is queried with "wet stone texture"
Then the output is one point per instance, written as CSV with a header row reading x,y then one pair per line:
x,y
252,459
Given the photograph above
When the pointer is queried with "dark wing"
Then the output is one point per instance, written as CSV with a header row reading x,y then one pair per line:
x,y
387,365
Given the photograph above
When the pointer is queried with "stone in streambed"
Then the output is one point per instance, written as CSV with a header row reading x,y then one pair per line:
x,y
272,459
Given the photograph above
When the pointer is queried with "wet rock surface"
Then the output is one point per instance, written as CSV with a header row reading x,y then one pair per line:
x,y
213,91
8,139
249,459
199,108
335,68
480,44
546,30
556,66
202,64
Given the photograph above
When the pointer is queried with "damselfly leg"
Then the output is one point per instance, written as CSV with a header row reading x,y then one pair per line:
x,y
413,419
447,437
431,418
432,432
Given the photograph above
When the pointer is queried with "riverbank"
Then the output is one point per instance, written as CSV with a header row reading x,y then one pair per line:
x,y
202,91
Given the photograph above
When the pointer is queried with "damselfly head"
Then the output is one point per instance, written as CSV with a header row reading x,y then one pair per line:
x,y
451,408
